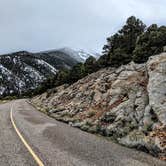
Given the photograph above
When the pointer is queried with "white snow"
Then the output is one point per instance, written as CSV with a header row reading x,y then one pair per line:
x,y
53,70
33,73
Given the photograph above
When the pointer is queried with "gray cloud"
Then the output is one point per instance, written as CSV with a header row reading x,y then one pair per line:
x,y
35,25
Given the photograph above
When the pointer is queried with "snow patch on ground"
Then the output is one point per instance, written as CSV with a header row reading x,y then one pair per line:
x,y
45,64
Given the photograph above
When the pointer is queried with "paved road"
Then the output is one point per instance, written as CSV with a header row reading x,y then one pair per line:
x,y
58,144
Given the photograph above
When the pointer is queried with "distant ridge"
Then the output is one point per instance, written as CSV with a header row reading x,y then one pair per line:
x,y
23,71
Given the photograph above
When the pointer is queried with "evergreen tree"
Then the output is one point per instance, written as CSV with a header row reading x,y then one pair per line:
x,y
77,72
150,43
90,65
120,46
62,77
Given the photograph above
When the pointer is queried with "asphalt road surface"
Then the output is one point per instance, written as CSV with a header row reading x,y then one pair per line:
x,y
58,144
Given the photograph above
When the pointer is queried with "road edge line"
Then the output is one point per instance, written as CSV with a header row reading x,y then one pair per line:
x,y
36,158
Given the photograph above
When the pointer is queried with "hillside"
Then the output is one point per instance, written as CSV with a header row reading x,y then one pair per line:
x,y
23,71
79,55
127,104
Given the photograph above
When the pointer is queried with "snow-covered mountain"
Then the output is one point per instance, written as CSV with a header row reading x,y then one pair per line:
x,y
23,71
79,55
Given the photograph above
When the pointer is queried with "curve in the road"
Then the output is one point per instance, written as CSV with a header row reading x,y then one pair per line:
x,y
36,158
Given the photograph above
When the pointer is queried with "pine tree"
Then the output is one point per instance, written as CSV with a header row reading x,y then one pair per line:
x,y
150,43
90,65
119,47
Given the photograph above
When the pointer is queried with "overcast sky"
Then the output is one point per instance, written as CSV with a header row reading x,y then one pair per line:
x,y
35,25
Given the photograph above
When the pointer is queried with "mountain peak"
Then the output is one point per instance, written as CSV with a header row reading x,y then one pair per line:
x,y
79,55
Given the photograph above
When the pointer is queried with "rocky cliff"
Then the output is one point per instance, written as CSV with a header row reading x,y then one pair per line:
x,y
127,104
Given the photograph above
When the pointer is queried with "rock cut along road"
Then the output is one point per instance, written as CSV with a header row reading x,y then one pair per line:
x,y
58,144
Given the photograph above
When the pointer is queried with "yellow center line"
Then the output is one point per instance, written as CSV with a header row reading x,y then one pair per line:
x,y
36,158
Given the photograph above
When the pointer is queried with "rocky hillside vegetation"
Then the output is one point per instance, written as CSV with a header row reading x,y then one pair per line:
x,y
127,104
133,42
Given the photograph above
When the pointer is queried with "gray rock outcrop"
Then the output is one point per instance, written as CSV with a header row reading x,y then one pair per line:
x,y
127,104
